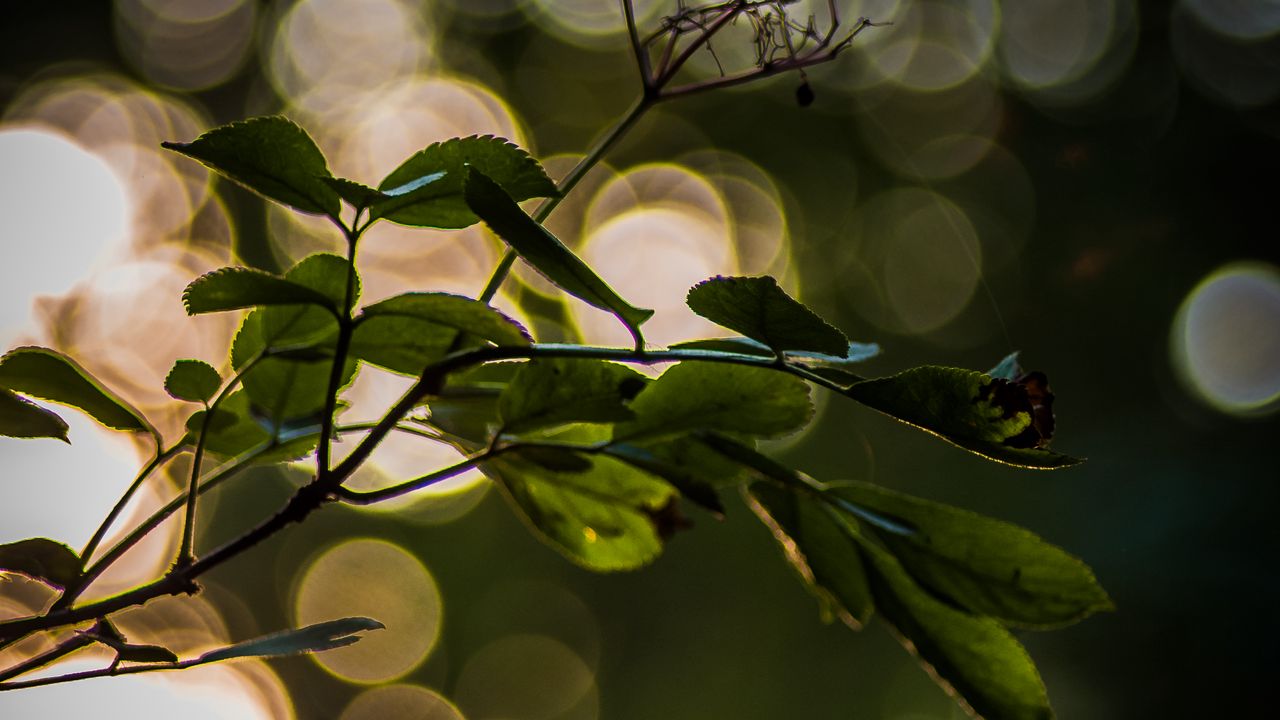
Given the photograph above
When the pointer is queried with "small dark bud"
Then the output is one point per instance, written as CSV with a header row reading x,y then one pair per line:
x,y
804,95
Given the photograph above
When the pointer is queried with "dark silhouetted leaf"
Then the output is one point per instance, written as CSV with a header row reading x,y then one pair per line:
x,y
52,563
555,459
974,657
235,431
438,201
106,633
52,376
557,391
989,567
759,309
671,461
407,332
819,549
282,390
233,288
834,368
271,156
24,419
312,638
356,194
193,380
604,518
987,416
545,252
732,398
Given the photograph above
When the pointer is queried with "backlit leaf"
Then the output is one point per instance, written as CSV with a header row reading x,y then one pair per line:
x,y
52,563
988,416
233,288
545,252
193,380
609,517
22,418
759,309
819,549
556,391
271,156
438,202
976,658
407,332
731,398
50,375
985,565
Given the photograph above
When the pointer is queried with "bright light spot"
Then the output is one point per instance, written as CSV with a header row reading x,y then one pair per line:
x,y
401,702
652,258
589,22
211,693
1226,339
64,210
403,456
527,676
1224,66
345,45
1055,41
63,492
183,44
943,47
380,580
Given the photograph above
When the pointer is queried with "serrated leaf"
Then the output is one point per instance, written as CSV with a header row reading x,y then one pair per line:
x,y
271,156
987,566
407,332
192,380
439,202
759,309
233,288
544,251
42,559
312,638
558,391
819,550
50,375
284,389
693,396
975,658
987,416
607,518
22,418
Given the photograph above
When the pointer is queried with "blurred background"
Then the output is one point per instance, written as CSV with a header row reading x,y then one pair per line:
x,y
1091,182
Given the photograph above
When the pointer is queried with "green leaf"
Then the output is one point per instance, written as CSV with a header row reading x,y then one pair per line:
x,y
557,391
312,638
233,288
52,376
545,252
987,416
24,419
284,389
989,567
270,156
193,380
819,549
435,201
235,430
685,463
759,309
358,195
832,367
974,658
407,332
610,517
692,396
52,563
307,325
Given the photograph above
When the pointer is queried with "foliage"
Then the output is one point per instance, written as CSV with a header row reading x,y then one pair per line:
x,y
594,456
